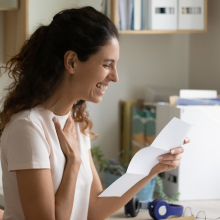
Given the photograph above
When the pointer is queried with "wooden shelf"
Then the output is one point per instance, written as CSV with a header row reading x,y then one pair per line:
x,y
15,29
114,18
164,32
7,9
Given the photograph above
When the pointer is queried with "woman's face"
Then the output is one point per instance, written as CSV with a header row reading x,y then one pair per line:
x,y
92,77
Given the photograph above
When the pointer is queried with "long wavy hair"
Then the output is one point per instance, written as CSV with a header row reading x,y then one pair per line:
x,y
37,69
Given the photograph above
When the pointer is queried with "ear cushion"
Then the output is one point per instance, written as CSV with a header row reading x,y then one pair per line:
x,y
153,206
132,207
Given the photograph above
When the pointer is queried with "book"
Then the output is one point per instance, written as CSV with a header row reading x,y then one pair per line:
x,y
175,100
123,14
130,23
145,15
137,14
106,7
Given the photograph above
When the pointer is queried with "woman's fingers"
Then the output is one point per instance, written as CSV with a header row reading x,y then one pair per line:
x,y
58,128
186,141
170,160
57,124
177,150
174,163
69,125
166,157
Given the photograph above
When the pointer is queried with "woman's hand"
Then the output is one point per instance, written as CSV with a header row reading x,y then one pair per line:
x,y
169,161
67,139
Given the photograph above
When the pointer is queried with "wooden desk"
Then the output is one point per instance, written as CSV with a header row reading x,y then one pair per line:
x,y
211,208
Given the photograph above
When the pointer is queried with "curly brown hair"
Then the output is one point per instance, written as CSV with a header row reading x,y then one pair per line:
x,y
38,67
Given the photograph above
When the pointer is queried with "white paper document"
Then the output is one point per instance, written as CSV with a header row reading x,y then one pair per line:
x,y
144,160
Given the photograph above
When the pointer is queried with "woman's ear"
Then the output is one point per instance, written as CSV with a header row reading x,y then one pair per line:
x,y
69,58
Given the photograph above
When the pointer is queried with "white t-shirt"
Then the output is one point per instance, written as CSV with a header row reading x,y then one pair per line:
x,y
29,141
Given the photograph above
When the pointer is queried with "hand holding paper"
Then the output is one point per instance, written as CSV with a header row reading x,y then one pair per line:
x,y
144,160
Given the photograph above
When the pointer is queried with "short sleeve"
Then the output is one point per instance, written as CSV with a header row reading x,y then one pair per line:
x,y
27,146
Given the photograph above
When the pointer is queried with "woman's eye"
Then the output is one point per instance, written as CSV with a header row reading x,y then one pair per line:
x,y
106,66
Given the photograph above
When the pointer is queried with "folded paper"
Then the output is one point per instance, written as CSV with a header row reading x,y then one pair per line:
x,y
144,160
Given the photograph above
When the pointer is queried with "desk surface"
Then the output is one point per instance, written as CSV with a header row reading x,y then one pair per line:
x,y
211,208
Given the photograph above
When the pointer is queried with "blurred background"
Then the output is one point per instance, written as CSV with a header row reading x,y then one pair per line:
x,y
153,66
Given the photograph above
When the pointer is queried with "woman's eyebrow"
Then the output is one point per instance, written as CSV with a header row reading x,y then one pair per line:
x,y
109,60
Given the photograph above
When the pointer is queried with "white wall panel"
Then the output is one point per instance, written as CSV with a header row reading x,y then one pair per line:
x,y
204,72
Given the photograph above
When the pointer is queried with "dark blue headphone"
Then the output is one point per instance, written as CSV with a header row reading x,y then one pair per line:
x,y
158,209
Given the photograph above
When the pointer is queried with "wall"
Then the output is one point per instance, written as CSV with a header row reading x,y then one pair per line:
x,y
94,3
4,80
204,70
41,11
1,36
49,8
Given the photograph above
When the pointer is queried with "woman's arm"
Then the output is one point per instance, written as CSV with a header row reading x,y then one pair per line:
x,y
65,194
36,187
36,193
102,207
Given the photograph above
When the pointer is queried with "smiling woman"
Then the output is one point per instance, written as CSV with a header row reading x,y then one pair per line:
x,y
58,69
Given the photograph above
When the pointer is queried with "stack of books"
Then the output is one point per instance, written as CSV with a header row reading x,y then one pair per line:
x,y
176,100
195,97
133,14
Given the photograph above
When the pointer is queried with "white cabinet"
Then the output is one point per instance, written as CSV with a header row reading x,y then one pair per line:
x,y
198,175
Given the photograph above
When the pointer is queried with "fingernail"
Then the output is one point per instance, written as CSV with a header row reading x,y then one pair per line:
x,y
187,139
172,151
160,157
55,119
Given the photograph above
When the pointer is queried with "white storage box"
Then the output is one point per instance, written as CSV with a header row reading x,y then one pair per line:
x,y
163,14
191,15
198,175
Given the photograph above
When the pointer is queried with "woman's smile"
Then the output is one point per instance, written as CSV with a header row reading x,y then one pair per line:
x,y
101,88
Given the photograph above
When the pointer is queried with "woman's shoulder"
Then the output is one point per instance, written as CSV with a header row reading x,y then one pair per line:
x,y
23,118
20,123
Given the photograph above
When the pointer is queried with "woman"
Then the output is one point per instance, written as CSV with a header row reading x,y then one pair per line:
x,y
48,171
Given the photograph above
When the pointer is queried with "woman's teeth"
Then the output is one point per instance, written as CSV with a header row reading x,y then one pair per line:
x,y
101,87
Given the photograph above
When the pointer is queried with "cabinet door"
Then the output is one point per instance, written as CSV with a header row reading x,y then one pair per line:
x,y
8,4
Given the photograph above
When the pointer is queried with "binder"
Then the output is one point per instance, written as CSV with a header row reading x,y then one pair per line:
x,y
123,14
163,14
137,15
191,15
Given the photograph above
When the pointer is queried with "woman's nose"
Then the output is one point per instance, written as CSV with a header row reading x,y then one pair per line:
x,y
113,76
